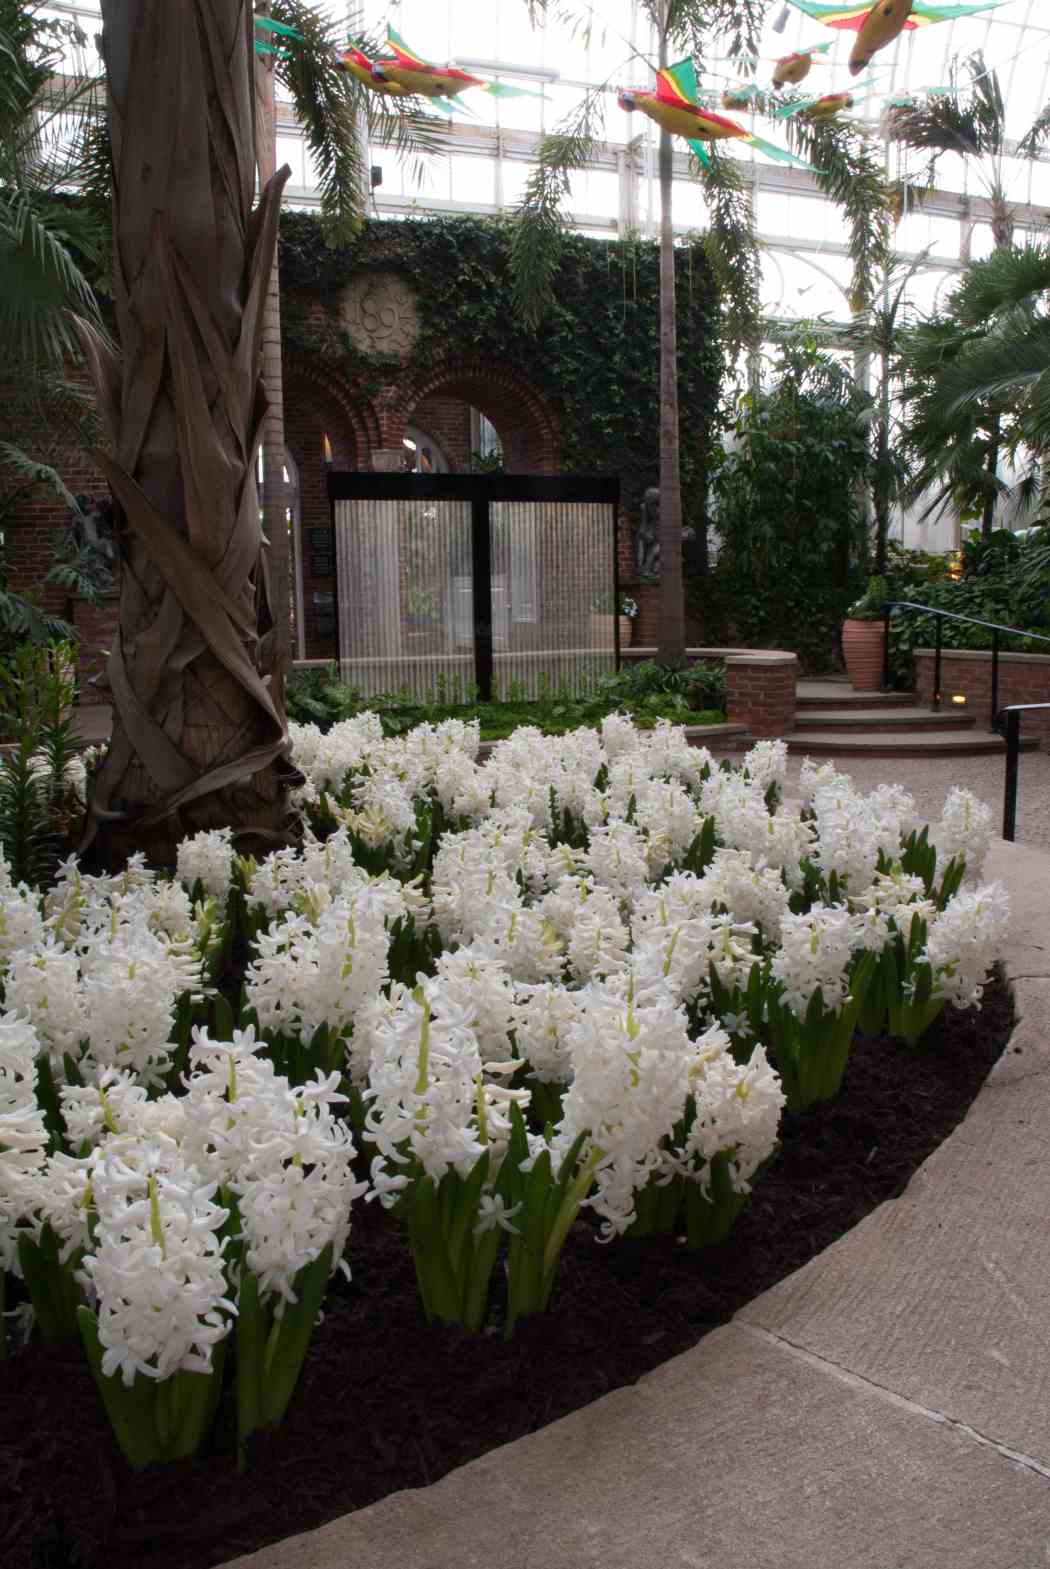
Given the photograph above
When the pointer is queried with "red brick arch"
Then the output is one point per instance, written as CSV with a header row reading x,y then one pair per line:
x,y
528,429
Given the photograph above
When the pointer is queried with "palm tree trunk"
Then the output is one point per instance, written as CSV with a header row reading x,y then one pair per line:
x,y
197,738
275,525
672,618
991,499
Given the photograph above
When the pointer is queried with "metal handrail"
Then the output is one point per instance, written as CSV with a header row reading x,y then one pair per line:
x,y
1008,723
995,627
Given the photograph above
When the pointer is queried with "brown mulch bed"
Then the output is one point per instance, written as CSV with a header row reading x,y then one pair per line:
x,y
387,1402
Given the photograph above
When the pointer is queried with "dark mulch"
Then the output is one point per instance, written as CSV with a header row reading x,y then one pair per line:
x,y
388,1403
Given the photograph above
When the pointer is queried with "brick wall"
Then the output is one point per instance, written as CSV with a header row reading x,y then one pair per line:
x,y
1023,678
761,691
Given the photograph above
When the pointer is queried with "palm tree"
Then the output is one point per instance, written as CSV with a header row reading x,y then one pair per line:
x,y
971,122
845,169
332,109
197,737
693,26
48,250
983,368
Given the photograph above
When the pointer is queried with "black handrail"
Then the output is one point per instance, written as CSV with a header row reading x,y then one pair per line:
x,y
995,627
1008,723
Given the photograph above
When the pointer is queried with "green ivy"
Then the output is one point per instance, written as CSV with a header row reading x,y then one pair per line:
x,y
595,359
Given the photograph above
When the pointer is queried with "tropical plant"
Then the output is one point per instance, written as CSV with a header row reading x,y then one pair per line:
x,y
49,252
969,121
978,377
787,498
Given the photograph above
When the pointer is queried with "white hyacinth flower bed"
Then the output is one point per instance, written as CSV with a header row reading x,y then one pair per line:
x,y
588,974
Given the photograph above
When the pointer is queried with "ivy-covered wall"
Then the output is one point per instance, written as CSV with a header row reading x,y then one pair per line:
x,y
594,360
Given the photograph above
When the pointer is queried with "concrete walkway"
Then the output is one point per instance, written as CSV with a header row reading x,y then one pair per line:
x,y
886,1407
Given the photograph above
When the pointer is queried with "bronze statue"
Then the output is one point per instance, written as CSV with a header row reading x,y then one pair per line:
x,y
647,536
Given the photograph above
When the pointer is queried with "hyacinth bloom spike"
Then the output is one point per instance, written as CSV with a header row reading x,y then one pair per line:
x,y
878,25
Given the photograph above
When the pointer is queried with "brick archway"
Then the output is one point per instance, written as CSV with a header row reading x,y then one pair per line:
x,y
318,407
528,430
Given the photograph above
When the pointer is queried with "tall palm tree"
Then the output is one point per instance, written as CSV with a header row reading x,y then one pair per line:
x,y
971,122
197,738
332,110
844,168
679,25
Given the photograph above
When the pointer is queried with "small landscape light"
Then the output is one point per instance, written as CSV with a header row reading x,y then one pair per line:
x,y
959,699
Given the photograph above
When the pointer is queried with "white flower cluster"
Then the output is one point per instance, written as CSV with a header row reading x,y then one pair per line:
x,y
140,1206
104,968
23,1136
964,942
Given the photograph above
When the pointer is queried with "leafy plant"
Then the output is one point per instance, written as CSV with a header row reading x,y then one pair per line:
x,y
36,812
786,501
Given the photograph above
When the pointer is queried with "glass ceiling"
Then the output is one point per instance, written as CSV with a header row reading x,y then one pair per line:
x,y
492,143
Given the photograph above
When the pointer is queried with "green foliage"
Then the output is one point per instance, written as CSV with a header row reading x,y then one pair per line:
x,y
596,358
647,691
787,504
1004,581
872,606
36,695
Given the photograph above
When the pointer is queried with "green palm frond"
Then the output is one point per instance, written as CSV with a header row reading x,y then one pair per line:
x,y
328,105
1037,134
40,277
971,123
849,171
1008,278
732,248
538,223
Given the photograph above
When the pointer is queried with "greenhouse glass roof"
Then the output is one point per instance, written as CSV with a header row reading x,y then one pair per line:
x,y
490,144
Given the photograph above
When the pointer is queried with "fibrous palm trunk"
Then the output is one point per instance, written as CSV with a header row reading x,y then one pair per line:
x,y
672,615
198,740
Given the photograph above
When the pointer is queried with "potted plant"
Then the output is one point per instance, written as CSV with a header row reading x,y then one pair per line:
x,y
864,637
628,610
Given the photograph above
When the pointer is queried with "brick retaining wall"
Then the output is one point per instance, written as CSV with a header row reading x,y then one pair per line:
x,y
1023,678
760,684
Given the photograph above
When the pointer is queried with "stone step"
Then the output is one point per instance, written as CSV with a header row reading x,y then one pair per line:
x,y
916,743
889,718
814,696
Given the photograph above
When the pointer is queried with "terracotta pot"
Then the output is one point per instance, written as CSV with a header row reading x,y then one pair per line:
x,y
863,645
626,631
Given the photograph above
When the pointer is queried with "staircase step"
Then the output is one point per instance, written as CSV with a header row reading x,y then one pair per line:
x,y
916,743
813,696
887,718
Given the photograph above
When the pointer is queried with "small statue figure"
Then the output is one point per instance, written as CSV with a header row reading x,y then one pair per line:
x,y
647,537
93,529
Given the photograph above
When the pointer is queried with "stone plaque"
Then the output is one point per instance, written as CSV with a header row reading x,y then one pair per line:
x,y
379,313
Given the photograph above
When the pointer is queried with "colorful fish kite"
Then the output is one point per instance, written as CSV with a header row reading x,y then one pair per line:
x,y
270,45
878,25
827,107
791,69
413,74
674,107
744,96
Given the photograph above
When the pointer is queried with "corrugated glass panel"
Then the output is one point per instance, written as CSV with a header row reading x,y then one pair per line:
x,y
406,608
552,594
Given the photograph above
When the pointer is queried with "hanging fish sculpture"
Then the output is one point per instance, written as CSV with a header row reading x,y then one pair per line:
x,y
674,107
876,26
414,74
791,69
